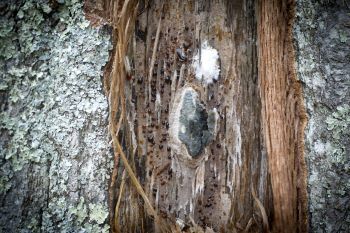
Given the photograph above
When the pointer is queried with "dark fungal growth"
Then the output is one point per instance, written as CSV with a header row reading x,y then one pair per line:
x,y
196,126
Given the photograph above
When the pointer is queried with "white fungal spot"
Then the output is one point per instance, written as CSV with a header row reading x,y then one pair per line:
x,y
206,64
183,129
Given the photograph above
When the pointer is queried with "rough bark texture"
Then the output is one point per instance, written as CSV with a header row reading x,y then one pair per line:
x,y
54,153
322,37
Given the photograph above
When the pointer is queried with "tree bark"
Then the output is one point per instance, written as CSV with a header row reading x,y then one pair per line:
x,y
55,159
322,33
205,106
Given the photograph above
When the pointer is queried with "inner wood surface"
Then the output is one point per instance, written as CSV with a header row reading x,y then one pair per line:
x,y
283,115
258,141
215,189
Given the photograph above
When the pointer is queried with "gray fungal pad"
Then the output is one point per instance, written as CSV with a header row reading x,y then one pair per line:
x,y
196,126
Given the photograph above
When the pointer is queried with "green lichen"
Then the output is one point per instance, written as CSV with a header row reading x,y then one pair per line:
x,y
98,213
343,37
339,126
33,225
80,211
92,228
5,184
339,122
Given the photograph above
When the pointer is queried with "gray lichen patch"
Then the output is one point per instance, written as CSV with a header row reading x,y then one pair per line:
x,y
54,152
195,125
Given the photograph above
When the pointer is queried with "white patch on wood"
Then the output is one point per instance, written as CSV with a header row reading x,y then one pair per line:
x,y
181,76
127,65
173,86
206,64
234,145
133,135
217,116
199,181
180,223
158,106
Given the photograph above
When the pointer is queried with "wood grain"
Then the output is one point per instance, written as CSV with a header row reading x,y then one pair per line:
x,y
258,144
283,115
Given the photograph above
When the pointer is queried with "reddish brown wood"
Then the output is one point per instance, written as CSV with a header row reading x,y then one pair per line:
x,y
283,115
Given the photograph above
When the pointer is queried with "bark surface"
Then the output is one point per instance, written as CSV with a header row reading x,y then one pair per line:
x,y
322,37
55,161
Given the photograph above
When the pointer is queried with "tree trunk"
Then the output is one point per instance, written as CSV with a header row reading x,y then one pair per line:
x,y
205,105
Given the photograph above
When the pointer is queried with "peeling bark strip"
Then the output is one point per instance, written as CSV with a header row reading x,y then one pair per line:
x,y
215,149
283,115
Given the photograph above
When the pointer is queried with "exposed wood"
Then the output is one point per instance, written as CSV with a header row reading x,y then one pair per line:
x,y
251,116
283,115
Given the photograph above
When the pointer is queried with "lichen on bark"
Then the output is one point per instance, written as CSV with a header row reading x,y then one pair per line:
x,y
54,153
322,35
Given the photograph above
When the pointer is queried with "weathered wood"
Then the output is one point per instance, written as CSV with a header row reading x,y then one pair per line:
x,y
201,188
202,149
